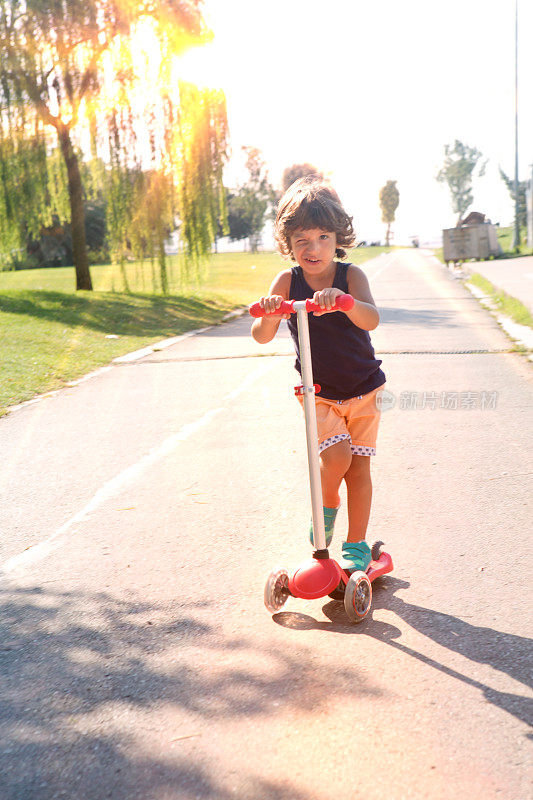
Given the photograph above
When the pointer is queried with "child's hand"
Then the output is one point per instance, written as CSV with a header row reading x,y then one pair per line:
x,y
271,303
326,299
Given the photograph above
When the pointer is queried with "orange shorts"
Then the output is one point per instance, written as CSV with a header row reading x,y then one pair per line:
x,y
355,420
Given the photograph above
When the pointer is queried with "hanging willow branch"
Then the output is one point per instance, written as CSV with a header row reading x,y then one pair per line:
x,y
54,76
201,153
32,182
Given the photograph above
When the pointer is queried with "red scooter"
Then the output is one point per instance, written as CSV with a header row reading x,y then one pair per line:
x,y
320,575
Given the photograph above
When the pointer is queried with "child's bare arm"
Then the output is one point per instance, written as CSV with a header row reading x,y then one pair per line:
x,y
364,314
265,328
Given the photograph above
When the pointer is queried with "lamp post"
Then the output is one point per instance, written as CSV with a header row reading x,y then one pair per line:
x,y
516,237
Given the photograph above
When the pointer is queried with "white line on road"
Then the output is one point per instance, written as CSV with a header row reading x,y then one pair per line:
x,y
388,258
382,269
113,486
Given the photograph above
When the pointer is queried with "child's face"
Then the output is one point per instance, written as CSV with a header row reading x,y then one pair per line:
x,y
313,249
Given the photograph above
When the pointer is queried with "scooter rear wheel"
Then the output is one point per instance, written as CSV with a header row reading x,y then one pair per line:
x,y
358,596
276,590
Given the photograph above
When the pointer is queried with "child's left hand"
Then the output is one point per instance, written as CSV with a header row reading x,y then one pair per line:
x,y
326,299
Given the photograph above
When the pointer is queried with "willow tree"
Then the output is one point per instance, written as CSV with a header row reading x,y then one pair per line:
x,y
170,177
53,71
200,149
389,199
24,202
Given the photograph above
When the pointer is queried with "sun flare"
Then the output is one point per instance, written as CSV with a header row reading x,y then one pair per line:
x,y
139,75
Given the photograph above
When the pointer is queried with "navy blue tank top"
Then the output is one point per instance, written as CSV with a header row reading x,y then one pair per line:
x,y
343,358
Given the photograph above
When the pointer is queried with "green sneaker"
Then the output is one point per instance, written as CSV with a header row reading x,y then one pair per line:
x,y
357,555
329,524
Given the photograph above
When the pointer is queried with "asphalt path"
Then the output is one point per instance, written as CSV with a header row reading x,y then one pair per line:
x,y
513,275
142,510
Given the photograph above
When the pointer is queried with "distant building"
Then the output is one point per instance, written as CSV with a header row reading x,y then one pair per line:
x,y
474,218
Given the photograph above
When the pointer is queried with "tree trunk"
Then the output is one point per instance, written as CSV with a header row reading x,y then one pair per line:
x,y
387,238
162,261
77,211
124,274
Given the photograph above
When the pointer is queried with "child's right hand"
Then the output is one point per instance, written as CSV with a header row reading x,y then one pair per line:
x,y
272,303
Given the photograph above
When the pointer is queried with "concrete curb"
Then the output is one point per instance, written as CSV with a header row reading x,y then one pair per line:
x,y
128,358
520,334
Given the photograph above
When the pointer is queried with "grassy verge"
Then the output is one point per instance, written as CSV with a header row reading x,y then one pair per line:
x,y
50,334
509,306
505,239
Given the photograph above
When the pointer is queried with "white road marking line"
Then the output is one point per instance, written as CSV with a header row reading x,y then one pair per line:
x,y
113,486
383,267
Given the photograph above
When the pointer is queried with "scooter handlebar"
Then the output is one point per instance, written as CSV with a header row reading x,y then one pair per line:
x,y
344,302
286,307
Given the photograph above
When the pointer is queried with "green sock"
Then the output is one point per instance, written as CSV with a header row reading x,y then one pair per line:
x,y
357,555
329,524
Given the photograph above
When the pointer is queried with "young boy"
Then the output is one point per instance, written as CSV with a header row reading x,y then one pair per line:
x,y
312,228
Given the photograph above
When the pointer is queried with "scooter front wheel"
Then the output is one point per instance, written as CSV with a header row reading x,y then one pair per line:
x,y
276,590
358,596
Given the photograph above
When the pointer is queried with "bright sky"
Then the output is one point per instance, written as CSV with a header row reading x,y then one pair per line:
x,y
372,90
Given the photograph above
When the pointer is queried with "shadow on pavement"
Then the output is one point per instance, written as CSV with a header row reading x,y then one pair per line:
x,y
419,317
76,667
134,315
388,315
504,652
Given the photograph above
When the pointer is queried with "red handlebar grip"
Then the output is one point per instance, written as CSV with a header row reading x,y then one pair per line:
x,y
344,302
256,310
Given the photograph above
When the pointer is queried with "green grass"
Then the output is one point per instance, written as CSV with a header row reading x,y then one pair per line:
x,y
505,239
50,334
439,252
49,338
509,306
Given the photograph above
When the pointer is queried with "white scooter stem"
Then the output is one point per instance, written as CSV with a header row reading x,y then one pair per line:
x,y
308,389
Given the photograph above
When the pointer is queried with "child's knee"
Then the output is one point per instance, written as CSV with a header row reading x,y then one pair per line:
x,y
337,458
360,468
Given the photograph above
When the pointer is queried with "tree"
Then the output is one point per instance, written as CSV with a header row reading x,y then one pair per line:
x,y
291,174
26,204
249,204
52,76
389,199
460,163
239,221
522,202
202,149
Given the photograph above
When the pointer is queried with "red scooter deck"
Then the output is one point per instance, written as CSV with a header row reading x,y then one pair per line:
x,y
374,570
380,567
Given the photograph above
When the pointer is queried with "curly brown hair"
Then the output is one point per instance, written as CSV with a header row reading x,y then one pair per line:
x,y
311,202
